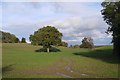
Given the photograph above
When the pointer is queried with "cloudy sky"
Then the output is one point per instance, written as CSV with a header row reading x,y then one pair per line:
x,y
75,20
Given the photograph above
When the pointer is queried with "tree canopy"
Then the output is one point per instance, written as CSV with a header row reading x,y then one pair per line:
x,y
111,15
23,40
46,37
87,42
8,37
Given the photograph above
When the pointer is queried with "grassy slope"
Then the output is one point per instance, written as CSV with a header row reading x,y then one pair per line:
x,y
21,60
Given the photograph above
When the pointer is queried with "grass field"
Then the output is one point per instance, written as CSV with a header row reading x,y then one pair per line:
x,y
21,61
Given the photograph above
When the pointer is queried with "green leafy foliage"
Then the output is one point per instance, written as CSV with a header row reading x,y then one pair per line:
x,y
8,37
46,37
87,43
111,14
76,46
23,40
64,44
17,40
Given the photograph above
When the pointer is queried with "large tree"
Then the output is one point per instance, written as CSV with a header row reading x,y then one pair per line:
x,y
111,14
46,37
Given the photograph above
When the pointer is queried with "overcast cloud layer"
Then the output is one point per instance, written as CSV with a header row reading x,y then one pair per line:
x,y
75,20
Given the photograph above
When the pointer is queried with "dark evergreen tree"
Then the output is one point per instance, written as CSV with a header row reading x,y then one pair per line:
x,y
23,40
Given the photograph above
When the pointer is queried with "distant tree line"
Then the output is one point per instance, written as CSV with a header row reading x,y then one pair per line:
x,y
7,37
46,37
87,42
65,44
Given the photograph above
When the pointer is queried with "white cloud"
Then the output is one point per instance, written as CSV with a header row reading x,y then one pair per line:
x,y
78,26
74,28
70,40
74,20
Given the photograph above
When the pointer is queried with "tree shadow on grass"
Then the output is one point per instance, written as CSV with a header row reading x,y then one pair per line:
x,y
52,49
104,55
7,68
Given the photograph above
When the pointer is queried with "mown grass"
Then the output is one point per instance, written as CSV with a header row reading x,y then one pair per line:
x,y
22,61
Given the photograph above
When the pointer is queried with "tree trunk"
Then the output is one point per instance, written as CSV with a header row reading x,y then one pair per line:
x,y
48,50
116,47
